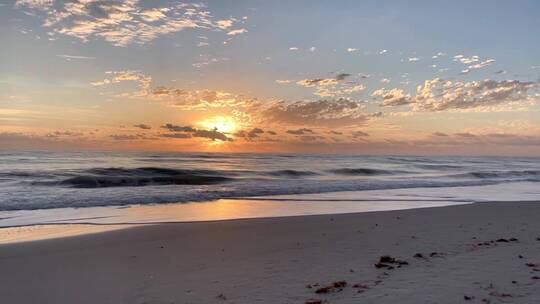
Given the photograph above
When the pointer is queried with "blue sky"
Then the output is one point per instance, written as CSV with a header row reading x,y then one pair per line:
x,y
364,59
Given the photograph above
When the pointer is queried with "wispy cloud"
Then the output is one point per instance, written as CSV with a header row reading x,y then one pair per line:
x,y
237,32
479,65
332,86
75,57
143,126
35,4
302,131
122,22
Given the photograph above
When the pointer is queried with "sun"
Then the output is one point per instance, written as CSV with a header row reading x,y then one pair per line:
x,y
224,124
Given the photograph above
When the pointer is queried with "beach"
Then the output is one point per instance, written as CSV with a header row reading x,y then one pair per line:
x,y
273,152
477,253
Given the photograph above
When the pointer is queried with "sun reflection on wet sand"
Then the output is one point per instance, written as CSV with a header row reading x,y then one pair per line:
x,y
69,222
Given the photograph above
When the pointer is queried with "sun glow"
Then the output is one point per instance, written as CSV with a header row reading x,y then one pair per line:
x,y
224,124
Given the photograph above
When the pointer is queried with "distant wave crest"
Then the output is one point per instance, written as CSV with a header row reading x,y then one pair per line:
x,y
361,171
291,173
123,177
503,174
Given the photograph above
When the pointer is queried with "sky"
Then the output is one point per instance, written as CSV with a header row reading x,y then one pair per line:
x,y
362,77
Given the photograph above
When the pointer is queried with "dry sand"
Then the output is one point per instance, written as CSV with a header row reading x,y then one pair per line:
x,y
274,260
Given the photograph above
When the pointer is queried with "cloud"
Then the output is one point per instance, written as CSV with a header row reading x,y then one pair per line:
x,y
143,81
473,63
440,95
35,4
311,138
284,81
205,60
129,137
225,23
393,97
58,134
465,135
143,126
332,87
253,133
121,22
342,76
188,99
382,52
237,32
352,89
175,128
333,112
211,134
19,140
176,135
302,131
317,82
196,98
341,111
188,131
71,57
466,60
482,64
440,134
485,140
439,54
357,134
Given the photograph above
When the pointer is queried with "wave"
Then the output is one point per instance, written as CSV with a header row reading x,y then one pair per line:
x,y
362,171
291,173
502,174
439,167
54,198
132,177
101,179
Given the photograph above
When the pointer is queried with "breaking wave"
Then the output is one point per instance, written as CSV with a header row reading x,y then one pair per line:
x,y
35,180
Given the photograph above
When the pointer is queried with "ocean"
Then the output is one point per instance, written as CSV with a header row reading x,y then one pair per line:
x,y
45,180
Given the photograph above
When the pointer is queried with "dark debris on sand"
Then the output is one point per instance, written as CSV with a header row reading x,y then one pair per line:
x,y
390,263
334,287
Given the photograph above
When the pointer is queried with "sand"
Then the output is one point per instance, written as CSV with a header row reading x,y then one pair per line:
x,y
275,260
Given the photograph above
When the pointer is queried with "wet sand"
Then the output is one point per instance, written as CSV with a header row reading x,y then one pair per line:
x,y
479,253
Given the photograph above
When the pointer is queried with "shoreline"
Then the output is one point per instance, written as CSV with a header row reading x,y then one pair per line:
x,y
235,210
15,225
265,260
